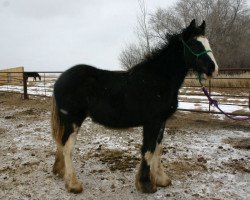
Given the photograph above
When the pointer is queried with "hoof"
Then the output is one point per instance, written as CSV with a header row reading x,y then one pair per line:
x,y
75,187
163,181
145,186
75,190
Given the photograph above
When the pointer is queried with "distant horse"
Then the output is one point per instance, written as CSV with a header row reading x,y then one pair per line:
x,y
146,95
32,74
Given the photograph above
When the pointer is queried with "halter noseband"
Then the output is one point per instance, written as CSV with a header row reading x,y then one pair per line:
x,y
197,55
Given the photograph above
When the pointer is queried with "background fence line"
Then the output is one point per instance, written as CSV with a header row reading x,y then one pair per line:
x,y
189,95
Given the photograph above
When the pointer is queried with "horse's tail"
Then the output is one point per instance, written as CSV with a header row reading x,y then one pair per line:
x,y
56,123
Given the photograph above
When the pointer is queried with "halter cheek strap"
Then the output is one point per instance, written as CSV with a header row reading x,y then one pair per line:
x,y
197,55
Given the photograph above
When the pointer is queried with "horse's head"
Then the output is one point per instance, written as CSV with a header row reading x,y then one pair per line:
x,y
197,51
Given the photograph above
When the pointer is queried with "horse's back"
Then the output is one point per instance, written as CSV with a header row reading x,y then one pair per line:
x,y
82,77
84,88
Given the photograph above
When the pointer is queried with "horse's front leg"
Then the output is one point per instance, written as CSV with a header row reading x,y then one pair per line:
x,y
151,173
162,179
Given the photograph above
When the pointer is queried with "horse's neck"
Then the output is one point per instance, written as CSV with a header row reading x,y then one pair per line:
x,y
171,63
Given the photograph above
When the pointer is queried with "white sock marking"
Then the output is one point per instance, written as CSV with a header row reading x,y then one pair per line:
x,y
67,152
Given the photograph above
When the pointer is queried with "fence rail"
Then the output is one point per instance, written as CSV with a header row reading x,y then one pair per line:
x,y
234,99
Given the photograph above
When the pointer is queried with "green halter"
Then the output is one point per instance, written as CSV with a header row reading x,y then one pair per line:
x,y
197,55
200,76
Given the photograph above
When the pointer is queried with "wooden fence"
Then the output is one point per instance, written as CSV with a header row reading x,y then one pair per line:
x,y
11,76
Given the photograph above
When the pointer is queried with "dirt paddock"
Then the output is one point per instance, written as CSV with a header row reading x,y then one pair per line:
x,y
206,157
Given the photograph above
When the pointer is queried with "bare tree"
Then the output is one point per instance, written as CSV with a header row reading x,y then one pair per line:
x,y
130,56
134,53
163,22
142,29
228,27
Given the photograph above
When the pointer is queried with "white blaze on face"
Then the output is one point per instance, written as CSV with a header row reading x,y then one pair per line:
x,y
206,45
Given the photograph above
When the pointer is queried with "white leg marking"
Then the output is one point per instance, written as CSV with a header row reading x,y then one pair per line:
x,y
206,45
152,161
72,184
67,152
156,168
162,178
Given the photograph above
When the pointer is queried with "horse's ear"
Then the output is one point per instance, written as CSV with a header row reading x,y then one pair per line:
x,y
192,24
188,32
202,27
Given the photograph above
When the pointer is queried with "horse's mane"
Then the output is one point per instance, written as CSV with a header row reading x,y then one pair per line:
x,y
170,41
162,49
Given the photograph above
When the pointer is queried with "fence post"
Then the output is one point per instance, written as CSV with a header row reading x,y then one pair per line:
x,y
25,80
44,83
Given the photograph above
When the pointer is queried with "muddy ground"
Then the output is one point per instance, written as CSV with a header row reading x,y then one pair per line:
x,y
206,157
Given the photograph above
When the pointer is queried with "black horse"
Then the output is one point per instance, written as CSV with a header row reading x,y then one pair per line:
x,y
32,74
146,95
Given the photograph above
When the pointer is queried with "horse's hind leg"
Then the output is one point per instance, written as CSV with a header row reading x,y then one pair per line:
x,y
64,131
151,173
71,182
59,166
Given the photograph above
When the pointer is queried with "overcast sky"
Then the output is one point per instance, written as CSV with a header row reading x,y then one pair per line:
x,y
53,35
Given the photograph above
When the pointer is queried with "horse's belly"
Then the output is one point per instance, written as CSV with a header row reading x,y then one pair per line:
x,y
114,123
113,117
